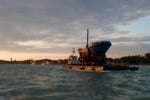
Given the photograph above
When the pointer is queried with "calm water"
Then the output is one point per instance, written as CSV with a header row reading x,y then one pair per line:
x,y
52,82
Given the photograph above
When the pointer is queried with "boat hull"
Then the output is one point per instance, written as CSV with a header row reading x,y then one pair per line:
x,y
120,67
98,68
85,68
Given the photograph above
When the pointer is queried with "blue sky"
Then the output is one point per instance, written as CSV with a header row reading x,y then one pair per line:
x,y
51,28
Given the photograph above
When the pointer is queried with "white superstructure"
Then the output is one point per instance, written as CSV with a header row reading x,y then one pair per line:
x,y
73,59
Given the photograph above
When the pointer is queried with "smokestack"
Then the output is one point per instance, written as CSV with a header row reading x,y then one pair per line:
x,y
87,43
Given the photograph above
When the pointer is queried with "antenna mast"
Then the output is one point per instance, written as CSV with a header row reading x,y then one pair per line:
x,y
73,51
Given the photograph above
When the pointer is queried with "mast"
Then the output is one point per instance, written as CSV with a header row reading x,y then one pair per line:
x,y
87,47
87,43
73,52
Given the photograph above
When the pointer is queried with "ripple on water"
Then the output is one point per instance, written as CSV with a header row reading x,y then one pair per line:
x,y
26,82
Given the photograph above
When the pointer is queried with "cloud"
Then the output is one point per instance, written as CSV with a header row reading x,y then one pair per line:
x,y
58,25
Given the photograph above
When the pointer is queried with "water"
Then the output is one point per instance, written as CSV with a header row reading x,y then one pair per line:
x,y
52,82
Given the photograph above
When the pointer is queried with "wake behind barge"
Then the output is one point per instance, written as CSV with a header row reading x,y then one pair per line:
x,y
93,58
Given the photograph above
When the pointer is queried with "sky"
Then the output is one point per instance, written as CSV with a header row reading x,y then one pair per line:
x,y
37,29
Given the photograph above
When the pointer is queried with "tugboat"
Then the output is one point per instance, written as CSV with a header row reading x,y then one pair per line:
x,y
73,59
93,58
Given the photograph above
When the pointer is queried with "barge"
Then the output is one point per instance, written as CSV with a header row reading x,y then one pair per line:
x,y
93,58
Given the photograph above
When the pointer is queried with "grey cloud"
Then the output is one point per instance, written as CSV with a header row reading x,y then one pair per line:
x,y
57,21
132,39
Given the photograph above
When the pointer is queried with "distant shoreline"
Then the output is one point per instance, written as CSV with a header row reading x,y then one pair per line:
x,y
131,60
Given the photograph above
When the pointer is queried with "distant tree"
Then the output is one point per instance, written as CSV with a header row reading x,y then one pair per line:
x,y
136,59
147,55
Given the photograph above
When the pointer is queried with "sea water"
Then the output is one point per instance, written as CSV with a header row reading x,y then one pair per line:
x,y
53,82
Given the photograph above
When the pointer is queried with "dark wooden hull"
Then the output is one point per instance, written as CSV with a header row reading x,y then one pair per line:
x,y
120,67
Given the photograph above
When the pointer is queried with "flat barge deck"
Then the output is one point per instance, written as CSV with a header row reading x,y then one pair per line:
x,y
98,68
85,68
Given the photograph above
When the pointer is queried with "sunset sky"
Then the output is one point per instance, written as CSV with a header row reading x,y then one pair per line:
x,y
36,29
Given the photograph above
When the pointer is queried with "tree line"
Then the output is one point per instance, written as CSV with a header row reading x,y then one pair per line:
x,y
134,59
